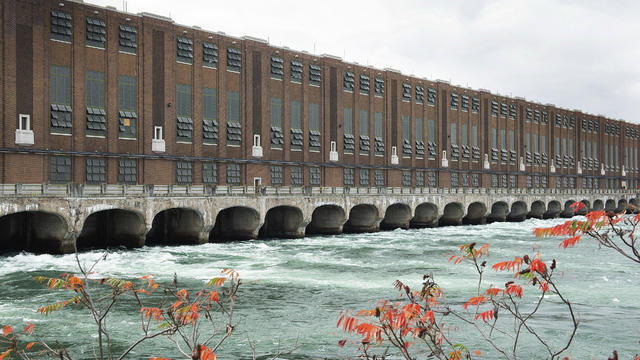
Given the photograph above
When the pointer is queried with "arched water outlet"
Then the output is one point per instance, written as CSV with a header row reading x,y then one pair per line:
x,y
499,212
426,216
585,209
518,212
476,214
634,205
326,220
554,208
452,214
598,205
622,206
177,226
363,218
568,210
284,221
235,223
537,210
610,205
112,228
398,215
35,231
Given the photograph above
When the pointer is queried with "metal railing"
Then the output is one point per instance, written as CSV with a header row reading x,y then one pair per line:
x,y
113,190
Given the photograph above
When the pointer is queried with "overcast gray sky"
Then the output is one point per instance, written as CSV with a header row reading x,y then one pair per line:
x,y
575,54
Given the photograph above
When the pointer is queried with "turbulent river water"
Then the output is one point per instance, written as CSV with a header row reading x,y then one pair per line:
x,y
295,289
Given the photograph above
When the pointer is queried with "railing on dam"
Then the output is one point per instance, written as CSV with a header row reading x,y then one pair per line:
x,y
86,190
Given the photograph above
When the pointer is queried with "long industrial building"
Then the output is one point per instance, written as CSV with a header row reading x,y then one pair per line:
x,y
93,95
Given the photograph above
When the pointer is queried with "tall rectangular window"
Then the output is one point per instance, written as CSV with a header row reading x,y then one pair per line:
x,y
184,172
96,34
127,39
314,126
60,97
184,50
209,116
233,174
543,144
431,131
406,136
127,171
365,144
234,130
297,137
535,143
315,75
464,138
60,169
454,134
347,119
61,25
512,141
494,138
348,176
503,139
314,176
184,121
275,112
209,55
378,133
209,173
94,93
95,170
474,136
234,59
527,142
127,108
571,147
296,175
277,175
419,134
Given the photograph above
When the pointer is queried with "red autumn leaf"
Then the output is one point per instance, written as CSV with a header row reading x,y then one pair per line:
x,y
570,242
508,265
538,266
30,345
476,300
28,329
493,291
428,316
342,342
487,315
7,330
544,286
513,289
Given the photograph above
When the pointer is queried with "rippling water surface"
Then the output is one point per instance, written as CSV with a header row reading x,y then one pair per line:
x,y
296,288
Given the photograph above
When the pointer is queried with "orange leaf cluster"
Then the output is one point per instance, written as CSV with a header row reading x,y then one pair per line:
x,y
152,312
538,266
476,300
487,315
514,289
508,265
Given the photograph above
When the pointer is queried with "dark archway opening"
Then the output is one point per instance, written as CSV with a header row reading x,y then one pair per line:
x,y
236,223
398,215
326,220
112,228
285,222
452,214
476,214
426,216
363,218
36,232
177,226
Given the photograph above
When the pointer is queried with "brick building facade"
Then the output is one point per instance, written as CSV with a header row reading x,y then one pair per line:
x,y
94,95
